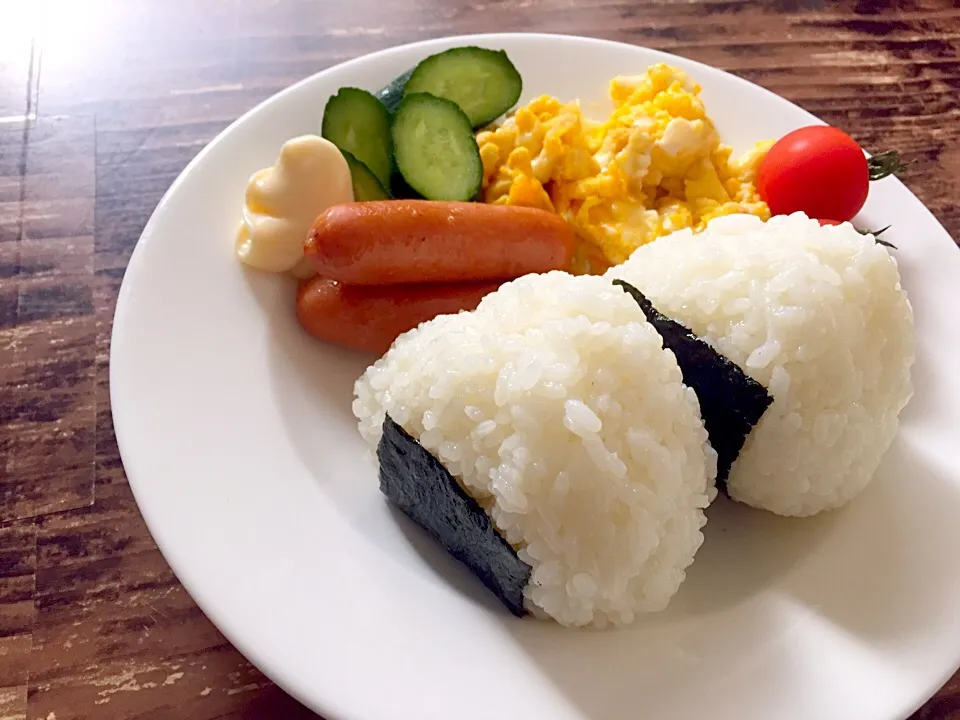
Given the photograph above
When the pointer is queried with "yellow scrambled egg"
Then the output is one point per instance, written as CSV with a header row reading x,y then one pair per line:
x,y
655,166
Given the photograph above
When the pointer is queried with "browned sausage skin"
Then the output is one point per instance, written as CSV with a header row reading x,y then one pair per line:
x,y
421,241
370,318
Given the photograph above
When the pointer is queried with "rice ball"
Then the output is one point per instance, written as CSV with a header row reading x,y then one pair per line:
x,y
556,407
818,316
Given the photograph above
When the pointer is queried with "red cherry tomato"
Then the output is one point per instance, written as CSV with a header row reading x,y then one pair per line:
x,y
817,170
829,222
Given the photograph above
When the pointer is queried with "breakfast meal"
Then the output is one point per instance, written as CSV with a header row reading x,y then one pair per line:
x,y
585,329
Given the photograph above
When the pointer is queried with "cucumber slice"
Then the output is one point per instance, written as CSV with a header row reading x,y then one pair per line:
x,y
365,184
435,149
392,94
484,83
355,121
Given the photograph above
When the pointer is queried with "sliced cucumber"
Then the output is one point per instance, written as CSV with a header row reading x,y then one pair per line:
x,y
484,83
435,149
366,186
355,121
392,94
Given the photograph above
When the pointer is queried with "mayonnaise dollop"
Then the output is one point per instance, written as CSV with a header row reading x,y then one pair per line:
x,y
282,202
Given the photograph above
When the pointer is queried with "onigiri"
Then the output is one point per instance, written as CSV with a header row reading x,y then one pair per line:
x,y
560,416
818,316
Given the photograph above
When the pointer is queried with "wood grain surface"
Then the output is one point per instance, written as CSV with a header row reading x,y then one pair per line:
x,y
103,102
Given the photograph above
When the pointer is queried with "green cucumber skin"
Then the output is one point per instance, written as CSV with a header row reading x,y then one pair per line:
x,y
420,79
366,186
392,94
377,153
409,167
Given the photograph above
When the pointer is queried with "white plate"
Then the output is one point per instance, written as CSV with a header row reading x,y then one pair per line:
x,y
237,437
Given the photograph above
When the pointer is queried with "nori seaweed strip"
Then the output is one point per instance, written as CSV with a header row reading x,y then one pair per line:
x,y
731,402
424,490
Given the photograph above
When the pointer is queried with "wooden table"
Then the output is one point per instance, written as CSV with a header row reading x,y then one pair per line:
x,y
103,102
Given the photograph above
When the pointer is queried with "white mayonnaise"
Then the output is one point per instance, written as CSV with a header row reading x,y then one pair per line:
x,y
282,202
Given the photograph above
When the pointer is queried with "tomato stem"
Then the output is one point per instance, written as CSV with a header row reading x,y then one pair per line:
x,y
886,163
877,234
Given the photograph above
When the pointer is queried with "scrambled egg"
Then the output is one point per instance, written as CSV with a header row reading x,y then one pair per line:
x,y
655,166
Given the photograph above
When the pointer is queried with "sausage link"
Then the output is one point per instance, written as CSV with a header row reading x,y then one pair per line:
x,y
369,318
421,241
